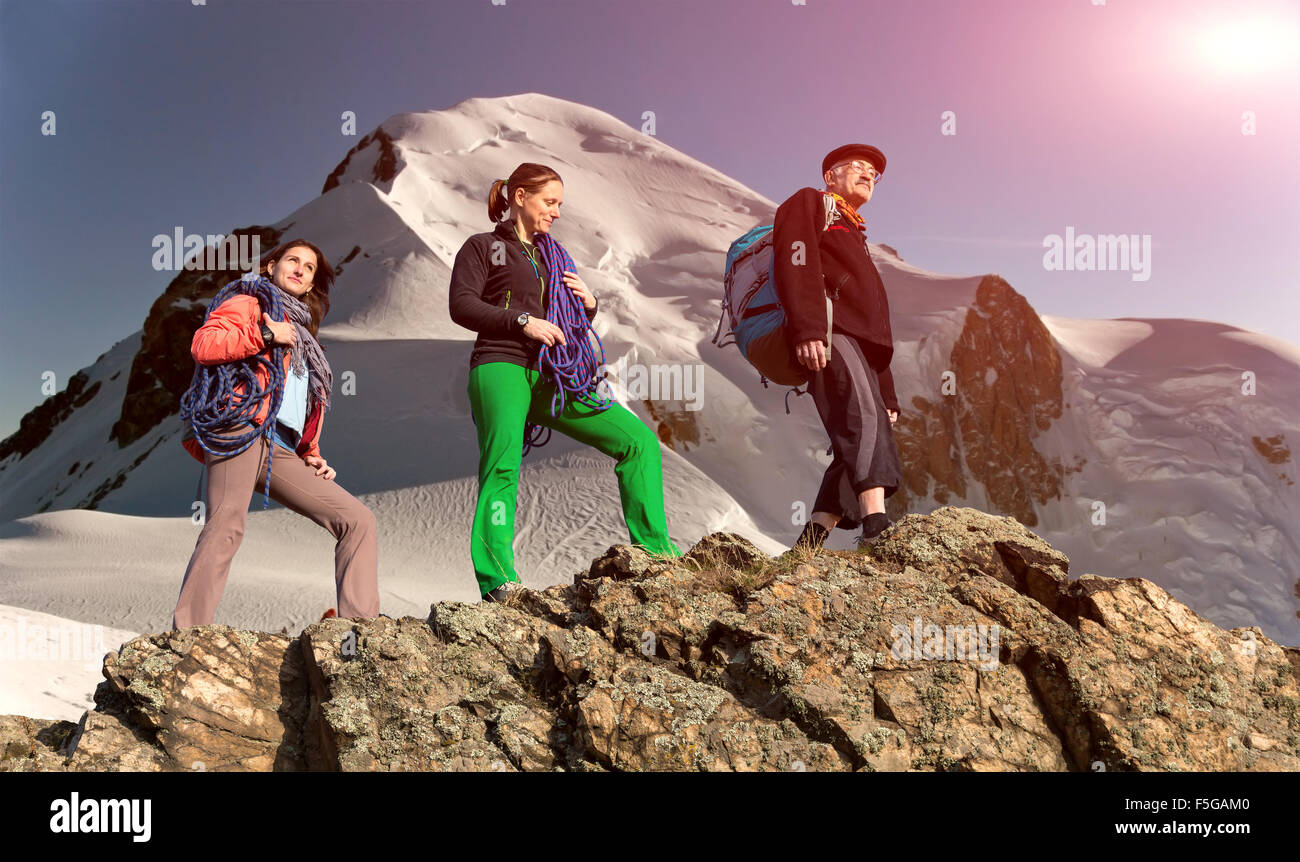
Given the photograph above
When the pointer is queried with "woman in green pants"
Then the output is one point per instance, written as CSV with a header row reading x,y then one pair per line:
x,y
499,287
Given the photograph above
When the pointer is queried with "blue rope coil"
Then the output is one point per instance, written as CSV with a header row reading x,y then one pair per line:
x,y
573,366
214,409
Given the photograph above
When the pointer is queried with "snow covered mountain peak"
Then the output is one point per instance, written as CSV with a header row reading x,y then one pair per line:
x,y
1039,418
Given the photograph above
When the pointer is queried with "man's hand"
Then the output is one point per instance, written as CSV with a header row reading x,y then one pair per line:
x,y
811,354
322,468
893,415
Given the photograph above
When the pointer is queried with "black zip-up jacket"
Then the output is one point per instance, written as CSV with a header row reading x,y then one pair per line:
x,y
836,260
491,285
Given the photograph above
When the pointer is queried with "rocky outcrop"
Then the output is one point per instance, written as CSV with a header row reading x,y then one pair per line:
x,y
34,744
677,428
1005,391
1272,449
37,423
386,161
160,372
959,642
163,367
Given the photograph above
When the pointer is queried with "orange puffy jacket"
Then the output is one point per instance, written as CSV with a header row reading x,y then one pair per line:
x,y
233,331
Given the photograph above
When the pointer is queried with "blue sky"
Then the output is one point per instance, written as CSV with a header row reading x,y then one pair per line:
x,y
1115,118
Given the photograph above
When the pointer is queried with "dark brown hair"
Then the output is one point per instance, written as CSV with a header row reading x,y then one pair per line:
x,y
529,176
318,299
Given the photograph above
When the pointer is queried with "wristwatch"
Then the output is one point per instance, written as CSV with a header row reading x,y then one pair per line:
x,y
267,335
523,319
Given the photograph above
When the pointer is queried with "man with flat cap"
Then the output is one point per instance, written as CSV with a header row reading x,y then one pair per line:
x,y
819,251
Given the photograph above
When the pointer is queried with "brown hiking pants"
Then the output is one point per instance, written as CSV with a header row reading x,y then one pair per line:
x,y
231,483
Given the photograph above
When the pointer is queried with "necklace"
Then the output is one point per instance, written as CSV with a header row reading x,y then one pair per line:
x,y
528,250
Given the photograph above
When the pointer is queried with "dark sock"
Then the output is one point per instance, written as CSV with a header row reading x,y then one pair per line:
x,y
874,524
813,535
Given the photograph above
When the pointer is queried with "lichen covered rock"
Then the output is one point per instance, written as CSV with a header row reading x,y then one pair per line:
x,y
958,643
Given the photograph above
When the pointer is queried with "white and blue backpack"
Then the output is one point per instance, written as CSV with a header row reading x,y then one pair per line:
x,y
751,306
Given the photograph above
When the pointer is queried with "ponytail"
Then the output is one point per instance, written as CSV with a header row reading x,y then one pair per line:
x,y
498,201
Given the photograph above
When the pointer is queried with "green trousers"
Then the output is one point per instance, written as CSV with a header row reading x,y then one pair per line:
x,y
504,397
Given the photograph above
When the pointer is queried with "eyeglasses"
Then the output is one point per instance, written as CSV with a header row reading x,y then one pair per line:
x,y
862,167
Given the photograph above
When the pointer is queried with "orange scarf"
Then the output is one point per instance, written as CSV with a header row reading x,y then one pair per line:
x,y
849,212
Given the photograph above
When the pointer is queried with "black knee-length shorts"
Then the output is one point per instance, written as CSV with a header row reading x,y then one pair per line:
x,y
847,394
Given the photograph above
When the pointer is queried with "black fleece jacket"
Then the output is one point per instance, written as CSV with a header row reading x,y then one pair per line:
x,y
837,261
491,285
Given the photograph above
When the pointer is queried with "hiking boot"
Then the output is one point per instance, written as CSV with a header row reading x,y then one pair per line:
x,y
811,539
872,526
504,592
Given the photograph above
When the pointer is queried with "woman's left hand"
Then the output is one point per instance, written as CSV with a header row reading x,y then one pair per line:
x,y
579,290
322,468
893,415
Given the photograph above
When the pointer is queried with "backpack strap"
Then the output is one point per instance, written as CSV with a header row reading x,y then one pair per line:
x,y
797,392
832,213
831,210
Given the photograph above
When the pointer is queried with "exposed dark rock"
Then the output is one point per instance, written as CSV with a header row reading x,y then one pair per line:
x,y
1007,391
162,368
387,161
38,422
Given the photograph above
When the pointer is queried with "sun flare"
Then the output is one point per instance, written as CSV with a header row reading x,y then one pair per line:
x,y
1250,44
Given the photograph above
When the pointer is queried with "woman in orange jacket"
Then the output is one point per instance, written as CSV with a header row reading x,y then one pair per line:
x,y
237,330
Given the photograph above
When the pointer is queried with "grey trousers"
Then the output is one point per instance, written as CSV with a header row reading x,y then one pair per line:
x,y
847,394
231,483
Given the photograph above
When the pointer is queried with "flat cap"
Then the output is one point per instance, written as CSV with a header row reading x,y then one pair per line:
x,y
854,151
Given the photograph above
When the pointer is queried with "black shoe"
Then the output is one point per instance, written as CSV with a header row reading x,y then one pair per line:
x,y
872,526
504,592
812,538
